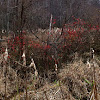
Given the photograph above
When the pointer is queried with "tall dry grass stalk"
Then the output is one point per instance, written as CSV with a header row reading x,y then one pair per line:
x,y
24,64
5,58
94,94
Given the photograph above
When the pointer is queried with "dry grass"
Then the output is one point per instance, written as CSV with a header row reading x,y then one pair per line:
x,y
72,77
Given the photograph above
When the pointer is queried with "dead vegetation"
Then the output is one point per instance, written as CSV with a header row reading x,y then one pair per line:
x,y
73,82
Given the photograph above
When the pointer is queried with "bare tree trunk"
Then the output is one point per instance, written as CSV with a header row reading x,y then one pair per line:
x,y
8,13
22,21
